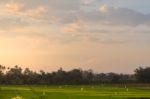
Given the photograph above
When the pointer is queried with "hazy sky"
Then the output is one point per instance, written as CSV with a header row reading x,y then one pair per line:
x,y
104,35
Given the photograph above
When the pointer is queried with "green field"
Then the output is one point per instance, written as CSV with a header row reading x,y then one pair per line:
x,y
72,92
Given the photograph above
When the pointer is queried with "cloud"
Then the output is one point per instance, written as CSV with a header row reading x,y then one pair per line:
x,y
71,20
20,10
8,23
36,12
104,8
65,5
66,12
87,2
72,28
14,7
115,16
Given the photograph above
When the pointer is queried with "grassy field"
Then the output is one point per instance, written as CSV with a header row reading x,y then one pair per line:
x,y
72,92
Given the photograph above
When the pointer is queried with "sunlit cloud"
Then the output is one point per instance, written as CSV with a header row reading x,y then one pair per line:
x,y
104,8
74,27
14,7
59,30
20,10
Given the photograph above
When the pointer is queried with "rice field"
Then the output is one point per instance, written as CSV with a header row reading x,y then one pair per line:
x,y
73,92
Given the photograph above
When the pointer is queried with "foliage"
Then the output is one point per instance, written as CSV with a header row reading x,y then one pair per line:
x,y
19,76
17,97
74,92
143,74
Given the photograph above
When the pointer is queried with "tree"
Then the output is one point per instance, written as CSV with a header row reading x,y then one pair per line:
x,y
14,76
60,77
2,68
30,77
143,74
17,75
88,76
75,76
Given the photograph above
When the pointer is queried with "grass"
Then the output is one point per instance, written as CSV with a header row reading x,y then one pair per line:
x,y
72,92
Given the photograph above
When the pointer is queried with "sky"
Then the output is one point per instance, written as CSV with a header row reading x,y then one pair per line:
x,y
103,35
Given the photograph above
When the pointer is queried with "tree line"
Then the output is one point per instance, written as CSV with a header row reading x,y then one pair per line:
x,y
18,76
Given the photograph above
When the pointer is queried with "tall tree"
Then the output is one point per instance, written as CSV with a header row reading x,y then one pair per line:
x,y
14,76
2,68
143,74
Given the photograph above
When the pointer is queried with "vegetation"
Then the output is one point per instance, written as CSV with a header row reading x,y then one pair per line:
x,y
16,83
73,92
18,76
